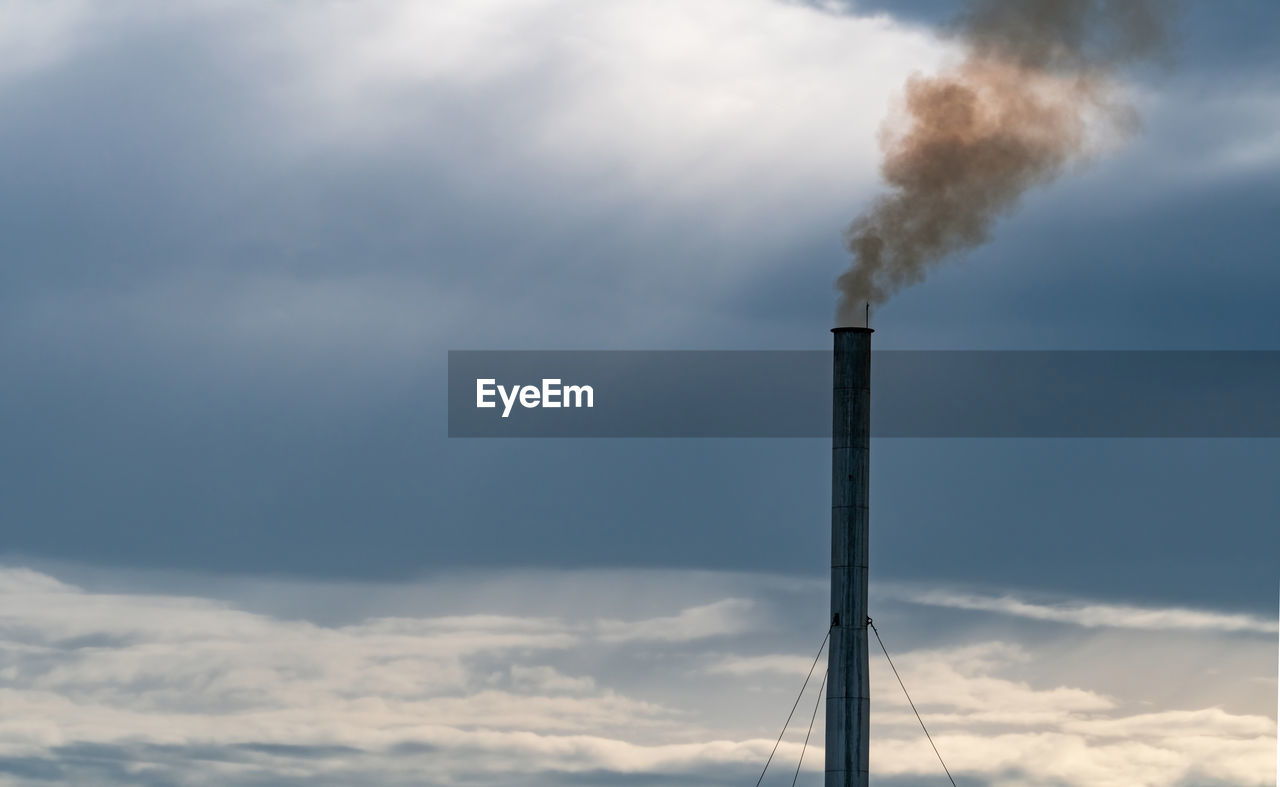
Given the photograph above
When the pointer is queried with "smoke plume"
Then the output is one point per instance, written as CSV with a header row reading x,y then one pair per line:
x,y
1037,76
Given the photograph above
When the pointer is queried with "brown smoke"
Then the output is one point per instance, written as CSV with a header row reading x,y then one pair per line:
x,y
1036,76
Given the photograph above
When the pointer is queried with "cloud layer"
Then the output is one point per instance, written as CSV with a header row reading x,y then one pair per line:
x,y
1093,615
329,181
115,687
332,177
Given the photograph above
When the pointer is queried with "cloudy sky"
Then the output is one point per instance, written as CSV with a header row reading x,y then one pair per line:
x,y
238,238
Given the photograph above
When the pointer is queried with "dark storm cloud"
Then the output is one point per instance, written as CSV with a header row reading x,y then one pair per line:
x,y
175,146
224,350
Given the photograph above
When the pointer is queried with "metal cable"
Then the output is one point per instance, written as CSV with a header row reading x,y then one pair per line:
x,y
812,718
909,702
794,706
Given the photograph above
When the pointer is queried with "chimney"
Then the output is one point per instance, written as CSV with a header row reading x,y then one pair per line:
x,y
848,687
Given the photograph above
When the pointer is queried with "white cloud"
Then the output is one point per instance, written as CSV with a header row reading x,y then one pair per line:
x,y
721,97
509,690
1021,735
1180,724
1024,759
548,679
729,616
1094,615
751,665
963,679
37,35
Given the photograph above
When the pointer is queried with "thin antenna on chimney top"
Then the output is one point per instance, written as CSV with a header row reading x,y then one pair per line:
x,y
867,321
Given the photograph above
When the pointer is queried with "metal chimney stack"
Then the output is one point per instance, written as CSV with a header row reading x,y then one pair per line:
x,y
848,687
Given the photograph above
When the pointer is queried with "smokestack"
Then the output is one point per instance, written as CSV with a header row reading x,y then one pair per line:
x,y
848,688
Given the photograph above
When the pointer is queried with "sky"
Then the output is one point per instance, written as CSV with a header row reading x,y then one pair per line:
x,y
237,240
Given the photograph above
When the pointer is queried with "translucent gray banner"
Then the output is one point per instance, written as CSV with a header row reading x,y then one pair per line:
x,y
719,393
